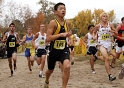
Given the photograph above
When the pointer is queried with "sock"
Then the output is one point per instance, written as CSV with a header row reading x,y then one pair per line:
x,y
41,72
14,65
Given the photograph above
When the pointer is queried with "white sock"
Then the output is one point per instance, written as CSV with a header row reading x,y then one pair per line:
x,y
41,72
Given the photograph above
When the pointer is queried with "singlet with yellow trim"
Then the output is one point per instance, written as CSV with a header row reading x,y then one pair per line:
x,y
60,43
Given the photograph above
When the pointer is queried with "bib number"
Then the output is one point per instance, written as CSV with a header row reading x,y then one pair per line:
x,y
92,41
41,42
59,44
105,36
28,44
11,44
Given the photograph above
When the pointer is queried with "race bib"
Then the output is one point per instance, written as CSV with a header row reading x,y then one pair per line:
x,y
59,44
28,44
41,42
11,44
105,36
92,41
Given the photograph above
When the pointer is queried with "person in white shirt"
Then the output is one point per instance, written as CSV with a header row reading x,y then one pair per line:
x,y
39,42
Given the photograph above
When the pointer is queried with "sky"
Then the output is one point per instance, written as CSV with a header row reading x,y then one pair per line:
x,y
75,6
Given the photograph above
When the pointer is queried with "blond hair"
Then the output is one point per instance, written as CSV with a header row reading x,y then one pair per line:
x,y
103,14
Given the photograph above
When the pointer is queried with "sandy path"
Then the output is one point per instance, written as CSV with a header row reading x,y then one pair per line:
x,y
81,76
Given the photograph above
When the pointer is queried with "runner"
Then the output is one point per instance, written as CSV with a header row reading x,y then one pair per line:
x,y
56,34
104,28
71,41
39,42
91,45
120,44
30,50
12,42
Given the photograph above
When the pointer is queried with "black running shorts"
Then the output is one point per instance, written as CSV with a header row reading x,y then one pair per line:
x,y
92,50
41,52
56,55
10,52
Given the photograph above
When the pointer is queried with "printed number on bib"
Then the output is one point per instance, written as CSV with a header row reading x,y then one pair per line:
x,y
28,44
11,44
105,36
41,42
92,41
59,44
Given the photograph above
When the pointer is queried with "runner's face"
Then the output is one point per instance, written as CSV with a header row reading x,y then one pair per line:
x,y
104,18
91,29
122,21
61,11
42,27
29,31
12,28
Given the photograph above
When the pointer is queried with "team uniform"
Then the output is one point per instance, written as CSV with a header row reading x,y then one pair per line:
x,y
104,37
59,50
120,43
40,42
11,44
29,51
91,45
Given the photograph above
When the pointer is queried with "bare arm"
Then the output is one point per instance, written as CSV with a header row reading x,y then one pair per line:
x,y
85,38
114,31
4,38
34,38
18,39
23,39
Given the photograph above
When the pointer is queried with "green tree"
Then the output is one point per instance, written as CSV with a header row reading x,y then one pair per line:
x,y
47,10
19,27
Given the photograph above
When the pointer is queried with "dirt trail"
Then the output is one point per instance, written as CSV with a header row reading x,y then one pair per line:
x,y
80,77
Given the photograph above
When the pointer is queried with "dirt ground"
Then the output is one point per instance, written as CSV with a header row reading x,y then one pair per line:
x,y
80,77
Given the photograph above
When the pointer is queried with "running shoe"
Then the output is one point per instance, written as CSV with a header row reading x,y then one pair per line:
x,y
46,85
112,66
72,63
11,74
111,78
41,76
93,71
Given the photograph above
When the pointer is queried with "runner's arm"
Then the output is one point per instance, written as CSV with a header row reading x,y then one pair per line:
x,y
85,38
34,38
23,39
4,38
18,39
114,31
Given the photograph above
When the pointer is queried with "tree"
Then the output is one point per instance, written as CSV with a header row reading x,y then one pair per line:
x,y
47,10
81,21
35,22
19,27
16,11
86,17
